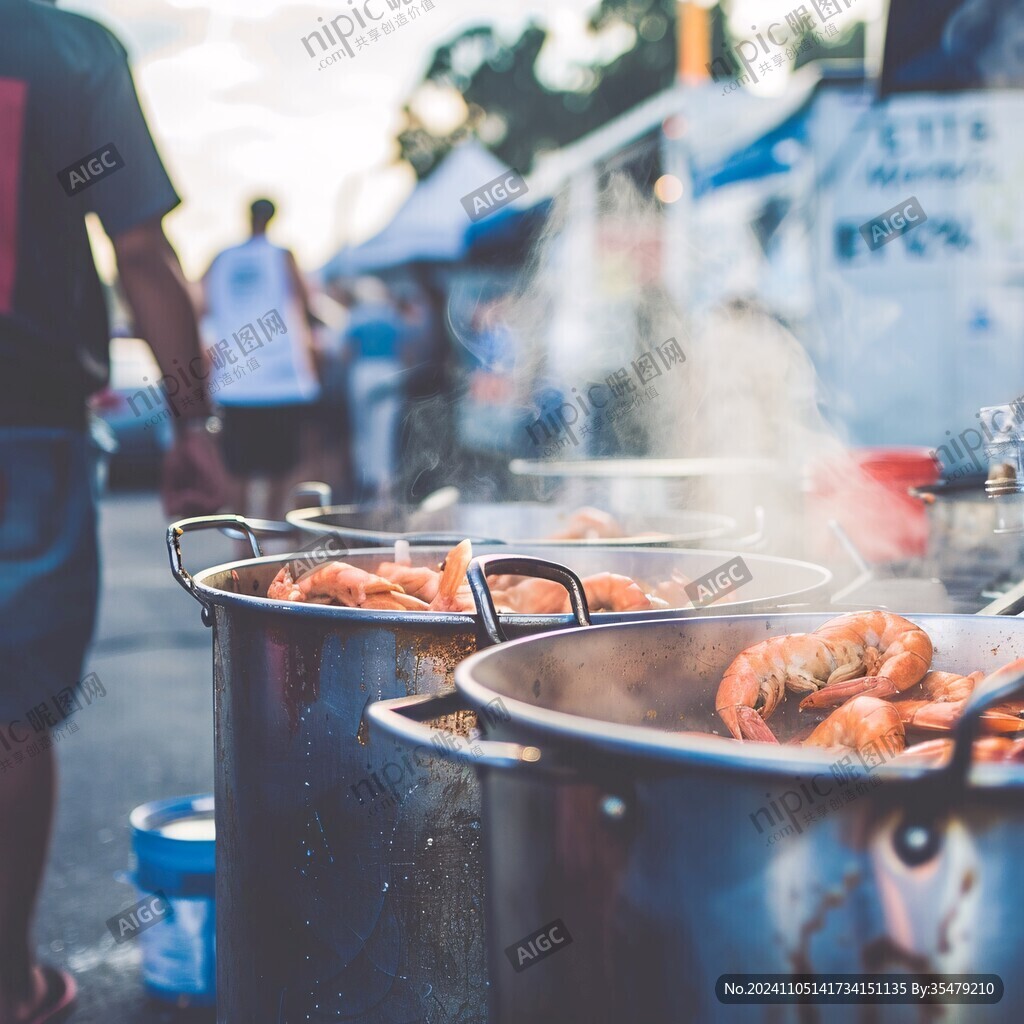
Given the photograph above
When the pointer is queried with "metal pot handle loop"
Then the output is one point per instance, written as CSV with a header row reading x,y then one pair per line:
x,y
312,488
445,539
178,570
1001,685
521,565
402,718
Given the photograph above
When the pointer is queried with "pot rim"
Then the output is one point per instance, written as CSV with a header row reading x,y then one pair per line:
x,y
254,602
703,750
705,526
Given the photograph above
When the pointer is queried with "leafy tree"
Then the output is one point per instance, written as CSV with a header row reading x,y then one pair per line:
x,y
518,115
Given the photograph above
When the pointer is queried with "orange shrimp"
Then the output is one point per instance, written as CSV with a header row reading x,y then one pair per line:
x,y
453,593
757,680
861,723
589,523
877,653
673,591
282,587
395,601
605,591
949,692
608,591
988,749
343,583
534,596
421,582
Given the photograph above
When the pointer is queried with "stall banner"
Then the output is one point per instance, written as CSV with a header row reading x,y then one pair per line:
x,y
934,318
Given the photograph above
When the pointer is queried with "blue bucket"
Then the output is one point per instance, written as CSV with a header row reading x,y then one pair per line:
x,y
173,844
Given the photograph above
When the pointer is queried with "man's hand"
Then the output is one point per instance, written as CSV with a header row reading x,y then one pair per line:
x,y
194,479
195,482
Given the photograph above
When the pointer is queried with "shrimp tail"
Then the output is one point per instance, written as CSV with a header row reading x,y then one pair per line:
x,y
834,694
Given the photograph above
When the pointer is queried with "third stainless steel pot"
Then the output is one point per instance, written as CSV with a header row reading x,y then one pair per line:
x,y
518,523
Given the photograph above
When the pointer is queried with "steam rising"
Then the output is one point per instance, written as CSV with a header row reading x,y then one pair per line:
x,y
591,300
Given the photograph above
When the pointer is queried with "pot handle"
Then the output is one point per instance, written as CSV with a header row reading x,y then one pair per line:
x,y
314,489
1001,685
178,570
521,565
445,539
402,719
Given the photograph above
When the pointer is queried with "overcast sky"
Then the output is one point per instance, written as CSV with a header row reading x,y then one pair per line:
x,y
238,108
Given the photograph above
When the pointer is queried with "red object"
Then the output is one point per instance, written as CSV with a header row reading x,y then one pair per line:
x,y
13,97
61,993
106,399
867,493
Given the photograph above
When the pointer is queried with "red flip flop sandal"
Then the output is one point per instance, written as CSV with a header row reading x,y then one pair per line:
x,y
61,992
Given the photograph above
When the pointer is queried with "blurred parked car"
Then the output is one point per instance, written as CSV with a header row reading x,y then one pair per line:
x,y
129,406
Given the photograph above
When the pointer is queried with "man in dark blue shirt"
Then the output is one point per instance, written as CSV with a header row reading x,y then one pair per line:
x,y
72,141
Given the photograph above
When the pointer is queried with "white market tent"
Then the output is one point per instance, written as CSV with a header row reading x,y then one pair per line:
x,y
431,224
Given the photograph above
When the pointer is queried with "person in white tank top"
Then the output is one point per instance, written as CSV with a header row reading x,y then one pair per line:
x,y
268,393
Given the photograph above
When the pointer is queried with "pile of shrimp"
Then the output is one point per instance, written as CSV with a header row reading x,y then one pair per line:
x,y
401,586
874,668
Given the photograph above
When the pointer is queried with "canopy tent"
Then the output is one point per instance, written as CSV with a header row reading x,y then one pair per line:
x,y
506,236
431,225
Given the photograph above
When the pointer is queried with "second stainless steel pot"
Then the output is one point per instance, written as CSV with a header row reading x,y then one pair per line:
x,y
349,881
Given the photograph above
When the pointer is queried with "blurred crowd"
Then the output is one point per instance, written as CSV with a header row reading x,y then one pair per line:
x,y
357,385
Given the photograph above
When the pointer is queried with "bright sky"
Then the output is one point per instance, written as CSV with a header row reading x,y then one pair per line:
x,y
238,108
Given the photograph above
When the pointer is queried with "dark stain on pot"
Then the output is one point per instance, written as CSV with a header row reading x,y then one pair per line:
x,y
882,955
800,958
945,926
425,660
299,649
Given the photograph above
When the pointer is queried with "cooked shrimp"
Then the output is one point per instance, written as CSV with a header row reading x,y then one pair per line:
x,y
859,724
396,601
949,692
608,591
673,591
987,749
345,584
283,588
605,591
453,593
421,582
538,597
877,653
947,687
757,679
587,523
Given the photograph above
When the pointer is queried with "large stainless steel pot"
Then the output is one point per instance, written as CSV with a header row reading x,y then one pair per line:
x,y
348,876
519,523
672,859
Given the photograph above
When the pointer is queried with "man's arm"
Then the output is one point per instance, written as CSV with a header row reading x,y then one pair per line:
x,y
306,328
301,292
158,295
194,480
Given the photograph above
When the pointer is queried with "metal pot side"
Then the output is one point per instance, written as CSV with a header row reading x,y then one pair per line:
x,y
350,873
518,523
673,859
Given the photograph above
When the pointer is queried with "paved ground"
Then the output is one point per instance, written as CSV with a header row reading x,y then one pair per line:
x,y
150,737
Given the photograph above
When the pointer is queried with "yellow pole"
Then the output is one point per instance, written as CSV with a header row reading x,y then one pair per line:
x,y
693,36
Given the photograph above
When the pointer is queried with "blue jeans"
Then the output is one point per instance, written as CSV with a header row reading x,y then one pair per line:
x,y
49,564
